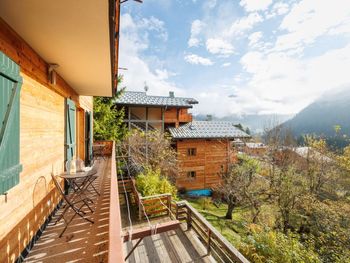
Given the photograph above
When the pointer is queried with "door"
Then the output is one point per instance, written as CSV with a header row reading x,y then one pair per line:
x,y
70,129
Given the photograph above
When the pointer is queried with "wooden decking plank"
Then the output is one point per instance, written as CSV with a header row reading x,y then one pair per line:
x,y
147,231
173,256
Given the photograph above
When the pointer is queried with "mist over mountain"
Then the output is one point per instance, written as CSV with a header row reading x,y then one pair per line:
x,y
255,122
321,116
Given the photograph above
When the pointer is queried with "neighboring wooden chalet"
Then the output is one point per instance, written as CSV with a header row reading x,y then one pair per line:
x,y
205,152
204,147
146,112
54,55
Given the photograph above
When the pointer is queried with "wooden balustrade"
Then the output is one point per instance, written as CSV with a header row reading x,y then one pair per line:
x,y
215,243
152,206
160,205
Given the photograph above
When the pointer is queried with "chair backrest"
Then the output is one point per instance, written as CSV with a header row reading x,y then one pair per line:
x,y
60,190
77,163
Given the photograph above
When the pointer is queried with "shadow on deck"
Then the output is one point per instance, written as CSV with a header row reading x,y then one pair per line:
x,y
82,241
178,245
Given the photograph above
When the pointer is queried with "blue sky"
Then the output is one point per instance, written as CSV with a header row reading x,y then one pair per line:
x,y
237,56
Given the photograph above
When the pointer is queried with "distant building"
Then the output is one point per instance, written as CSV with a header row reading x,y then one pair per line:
x,y
254,148
204,147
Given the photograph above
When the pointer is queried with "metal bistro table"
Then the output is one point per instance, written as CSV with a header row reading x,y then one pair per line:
x,y
79,182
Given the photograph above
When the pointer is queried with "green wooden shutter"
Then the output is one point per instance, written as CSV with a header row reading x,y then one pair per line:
x,y
10,86
70,129
91,134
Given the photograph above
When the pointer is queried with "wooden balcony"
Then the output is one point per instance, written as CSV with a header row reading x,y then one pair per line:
x,y
83,241
185,117
175,231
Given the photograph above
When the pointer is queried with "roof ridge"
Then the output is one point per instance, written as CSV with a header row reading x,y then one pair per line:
x,y
159,96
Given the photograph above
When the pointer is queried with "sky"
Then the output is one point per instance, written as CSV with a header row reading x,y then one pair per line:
x,y
237,56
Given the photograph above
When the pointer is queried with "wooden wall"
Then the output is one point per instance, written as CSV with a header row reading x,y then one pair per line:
x,y
171,116
177,116
211,158
184,116
42,151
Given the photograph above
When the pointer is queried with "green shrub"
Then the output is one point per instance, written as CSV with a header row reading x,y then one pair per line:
x,y
152,183
272,246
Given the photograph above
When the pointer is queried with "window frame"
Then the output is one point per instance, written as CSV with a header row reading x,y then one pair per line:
x,y
192,151
191,175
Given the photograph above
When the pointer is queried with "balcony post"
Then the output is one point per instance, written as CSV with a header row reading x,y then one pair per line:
x,y
189,218
209,241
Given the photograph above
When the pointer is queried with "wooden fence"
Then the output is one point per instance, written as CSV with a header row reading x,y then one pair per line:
x,y
152,206
161,205
215,243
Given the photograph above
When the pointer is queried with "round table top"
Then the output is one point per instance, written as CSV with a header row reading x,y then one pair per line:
x,y
67,175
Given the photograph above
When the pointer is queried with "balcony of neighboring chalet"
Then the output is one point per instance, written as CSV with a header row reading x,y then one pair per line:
x,y
160,229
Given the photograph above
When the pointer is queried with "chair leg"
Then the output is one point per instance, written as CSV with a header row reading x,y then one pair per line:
x,y
76,212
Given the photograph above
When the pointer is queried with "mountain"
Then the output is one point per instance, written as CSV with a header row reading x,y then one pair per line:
x,y
255,122
321,116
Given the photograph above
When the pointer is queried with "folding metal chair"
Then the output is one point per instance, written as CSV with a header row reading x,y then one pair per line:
x,y
73,202
92,175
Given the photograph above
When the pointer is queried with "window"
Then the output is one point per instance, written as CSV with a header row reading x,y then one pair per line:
x,y
191,174
191,152
10,85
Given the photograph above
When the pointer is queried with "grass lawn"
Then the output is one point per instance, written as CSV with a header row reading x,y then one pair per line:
x,y
230,229
233,229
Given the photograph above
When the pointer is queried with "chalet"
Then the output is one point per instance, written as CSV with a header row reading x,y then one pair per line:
x,y
146,112
205,151
54,56
204,147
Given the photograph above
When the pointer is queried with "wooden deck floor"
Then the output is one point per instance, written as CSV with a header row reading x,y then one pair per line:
x,y
172,246
82,241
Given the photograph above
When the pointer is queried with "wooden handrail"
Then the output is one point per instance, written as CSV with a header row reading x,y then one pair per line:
x,y
115,244
216,243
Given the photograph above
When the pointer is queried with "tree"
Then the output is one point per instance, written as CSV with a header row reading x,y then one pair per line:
x,y
151,151
236,185
108,121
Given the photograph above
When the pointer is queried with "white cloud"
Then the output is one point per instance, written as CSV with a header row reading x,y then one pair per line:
x,y
134,40
198,60
219,47
255,5
154,24
254,38
244,24
309,20
284,84
225,65
196,29
277,9
209,4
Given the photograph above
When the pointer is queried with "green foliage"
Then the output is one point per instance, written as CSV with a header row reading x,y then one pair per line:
x,y
108,120
151,182
272,246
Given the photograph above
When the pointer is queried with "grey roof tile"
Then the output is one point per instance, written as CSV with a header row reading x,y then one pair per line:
x,y
207,130
141,98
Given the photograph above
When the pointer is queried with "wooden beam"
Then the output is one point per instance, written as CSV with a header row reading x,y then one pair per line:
x,y
147,231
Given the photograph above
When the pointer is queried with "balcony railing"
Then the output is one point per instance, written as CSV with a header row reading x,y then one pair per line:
x,y
216,244
162,205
